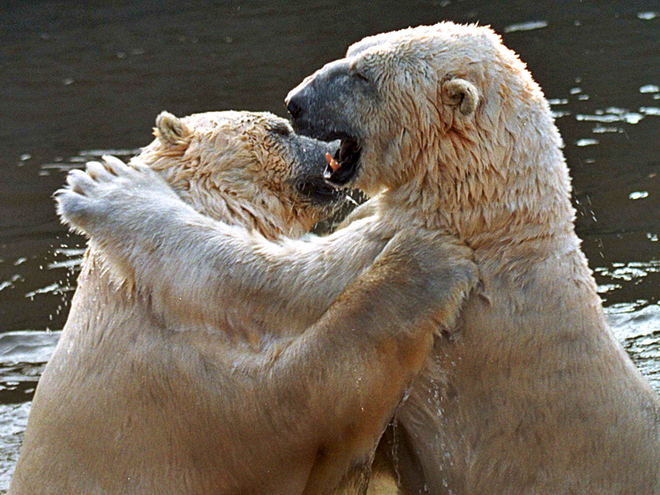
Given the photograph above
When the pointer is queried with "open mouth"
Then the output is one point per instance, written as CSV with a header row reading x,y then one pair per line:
x,y
343,166
320,192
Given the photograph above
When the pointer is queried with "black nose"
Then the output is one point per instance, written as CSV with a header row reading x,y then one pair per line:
x,y
294,107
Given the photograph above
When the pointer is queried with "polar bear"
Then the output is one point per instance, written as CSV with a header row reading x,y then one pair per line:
x,y
528,392
218,399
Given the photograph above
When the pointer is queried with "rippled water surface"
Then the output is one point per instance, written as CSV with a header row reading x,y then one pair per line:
x,y
80,80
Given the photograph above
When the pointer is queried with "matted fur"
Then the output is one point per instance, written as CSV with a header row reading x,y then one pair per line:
x,y
190,390
528,392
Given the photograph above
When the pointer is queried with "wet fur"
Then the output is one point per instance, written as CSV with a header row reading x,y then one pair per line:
x,y
162,384
530,393
527,392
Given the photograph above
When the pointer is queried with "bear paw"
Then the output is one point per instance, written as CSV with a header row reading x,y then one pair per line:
x,y
97,196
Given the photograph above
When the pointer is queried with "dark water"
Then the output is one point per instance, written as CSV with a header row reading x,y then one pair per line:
x,y
77,80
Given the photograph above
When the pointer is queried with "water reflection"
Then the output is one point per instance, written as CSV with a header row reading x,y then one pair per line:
x,y
13,419
83,157
94,79
525,26
23,355
637,325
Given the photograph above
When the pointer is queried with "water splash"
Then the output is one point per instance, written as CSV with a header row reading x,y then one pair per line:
x,y
55,288
73,258
13,420
637,325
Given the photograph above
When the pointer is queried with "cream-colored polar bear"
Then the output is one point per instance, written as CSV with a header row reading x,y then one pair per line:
x,y
147,396
529,392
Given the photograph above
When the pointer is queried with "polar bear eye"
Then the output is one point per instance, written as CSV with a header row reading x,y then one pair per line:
x,y
361,77
281,130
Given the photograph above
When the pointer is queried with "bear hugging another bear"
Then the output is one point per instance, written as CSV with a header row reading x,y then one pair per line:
x,y
151,391
524,389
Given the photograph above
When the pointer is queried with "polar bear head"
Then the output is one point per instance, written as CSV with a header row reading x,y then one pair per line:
x,y
447,113
244,168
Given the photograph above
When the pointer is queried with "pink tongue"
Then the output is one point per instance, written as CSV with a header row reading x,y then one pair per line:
x,y
332,163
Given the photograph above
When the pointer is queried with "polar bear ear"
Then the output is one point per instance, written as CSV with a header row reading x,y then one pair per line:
x,y
170,129
461,93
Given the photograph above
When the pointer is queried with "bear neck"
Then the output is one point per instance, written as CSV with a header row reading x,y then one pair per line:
x,y
233,210
493,189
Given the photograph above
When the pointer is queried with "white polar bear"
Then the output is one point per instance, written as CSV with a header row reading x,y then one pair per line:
x,y
180,390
